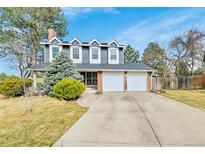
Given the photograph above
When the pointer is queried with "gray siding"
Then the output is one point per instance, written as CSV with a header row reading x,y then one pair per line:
x,y
54,42
75,43
104,55
85,52
113,45
85,55
46,56
94,44
121,56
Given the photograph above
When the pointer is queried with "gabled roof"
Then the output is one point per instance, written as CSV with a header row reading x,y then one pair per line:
x,y
114,41
55,38
75,39
94,40
81,43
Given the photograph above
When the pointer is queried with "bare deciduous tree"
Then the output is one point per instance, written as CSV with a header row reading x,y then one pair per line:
x,y
187,48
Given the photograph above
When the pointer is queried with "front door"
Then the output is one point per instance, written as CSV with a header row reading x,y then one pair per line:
x,y
90,78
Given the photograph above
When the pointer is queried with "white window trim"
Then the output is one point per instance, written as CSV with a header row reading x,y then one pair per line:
x,y
50,51
95,61
45,57
95,40
55,38
80,54
109,56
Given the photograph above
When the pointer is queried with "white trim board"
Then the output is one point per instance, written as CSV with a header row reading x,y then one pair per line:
x,y
95,61
50,51
80,54
117,61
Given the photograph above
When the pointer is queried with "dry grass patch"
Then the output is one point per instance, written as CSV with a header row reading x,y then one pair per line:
x,y
195,98
49,119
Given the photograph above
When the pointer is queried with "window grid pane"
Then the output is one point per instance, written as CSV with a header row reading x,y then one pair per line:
x,y
113,54
76,53
55,51
94,53
91,78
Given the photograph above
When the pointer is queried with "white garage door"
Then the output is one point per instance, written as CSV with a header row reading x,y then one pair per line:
x,y
113,81
136,81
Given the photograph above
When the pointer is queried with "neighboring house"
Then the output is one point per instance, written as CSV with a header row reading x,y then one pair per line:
x,y
101,64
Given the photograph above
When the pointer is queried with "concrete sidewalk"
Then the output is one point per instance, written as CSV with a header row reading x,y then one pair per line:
x,y
137,119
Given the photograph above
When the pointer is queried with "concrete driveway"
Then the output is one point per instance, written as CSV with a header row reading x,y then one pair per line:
x,y
137,119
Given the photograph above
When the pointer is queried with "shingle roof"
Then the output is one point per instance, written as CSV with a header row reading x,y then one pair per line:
x,y
101,67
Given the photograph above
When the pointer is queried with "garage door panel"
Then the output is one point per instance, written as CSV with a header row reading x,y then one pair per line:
x,y
136,81
113,81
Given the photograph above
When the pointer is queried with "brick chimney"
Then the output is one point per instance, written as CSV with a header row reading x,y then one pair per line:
x,y
51,33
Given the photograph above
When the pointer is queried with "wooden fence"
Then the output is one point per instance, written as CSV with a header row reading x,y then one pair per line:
x,y
183,82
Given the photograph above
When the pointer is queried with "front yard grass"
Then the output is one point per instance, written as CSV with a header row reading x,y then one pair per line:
x,y
49,119
195,98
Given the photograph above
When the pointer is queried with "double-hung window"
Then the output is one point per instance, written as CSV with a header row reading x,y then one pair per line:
x,y
94,53
55,51
113,54
76,53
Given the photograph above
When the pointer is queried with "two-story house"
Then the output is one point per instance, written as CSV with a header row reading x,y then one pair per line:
x,y
101,64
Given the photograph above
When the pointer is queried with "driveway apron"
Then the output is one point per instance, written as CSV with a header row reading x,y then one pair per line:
x,y
137,119
113,120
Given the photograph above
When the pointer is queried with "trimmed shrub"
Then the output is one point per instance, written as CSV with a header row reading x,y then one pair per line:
x,y
68,89
14,86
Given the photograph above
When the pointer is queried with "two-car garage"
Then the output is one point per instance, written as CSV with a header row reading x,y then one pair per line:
x,y
124,81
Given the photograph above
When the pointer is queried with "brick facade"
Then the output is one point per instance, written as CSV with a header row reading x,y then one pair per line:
x,y
125,81
100,82
149,81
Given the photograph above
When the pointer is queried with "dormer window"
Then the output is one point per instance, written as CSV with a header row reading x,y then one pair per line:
x,y
95,57
113,55
94,53
76,54
54,51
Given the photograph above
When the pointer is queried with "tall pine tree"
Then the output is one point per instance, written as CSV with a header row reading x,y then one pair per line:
x,y
61,67
155,57
131,55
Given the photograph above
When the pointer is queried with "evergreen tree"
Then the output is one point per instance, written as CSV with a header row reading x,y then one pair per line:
x,y
60,68
22,30
155,57
131,55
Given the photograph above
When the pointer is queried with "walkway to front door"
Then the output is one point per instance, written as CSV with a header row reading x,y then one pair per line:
x,y
137,119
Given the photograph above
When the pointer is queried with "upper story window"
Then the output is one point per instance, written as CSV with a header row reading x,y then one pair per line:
x,y
113,55
95,56
54,51
76,54
94,53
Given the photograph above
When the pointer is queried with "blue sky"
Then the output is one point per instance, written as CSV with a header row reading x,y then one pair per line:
x,y
135,26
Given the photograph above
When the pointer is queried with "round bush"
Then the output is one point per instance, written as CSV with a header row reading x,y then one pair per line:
x,y
14,86
68,89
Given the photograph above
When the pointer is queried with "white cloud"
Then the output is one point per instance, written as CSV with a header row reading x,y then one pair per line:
x,y
162,27
75,12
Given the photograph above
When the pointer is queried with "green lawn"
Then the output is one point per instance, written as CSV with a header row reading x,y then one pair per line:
x,y
49,119
195,98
